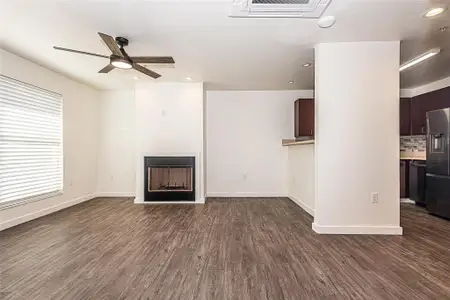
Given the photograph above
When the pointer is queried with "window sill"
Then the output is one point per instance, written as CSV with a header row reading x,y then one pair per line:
x,y
11,204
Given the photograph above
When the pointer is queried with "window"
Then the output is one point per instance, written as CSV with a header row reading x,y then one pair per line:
x,y
31,158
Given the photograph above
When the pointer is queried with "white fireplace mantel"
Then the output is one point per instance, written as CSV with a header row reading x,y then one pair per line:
x,y
170,122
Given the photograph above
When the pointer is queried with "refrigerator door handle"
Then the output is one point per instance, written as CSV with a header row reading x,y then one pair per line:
x,y
437,176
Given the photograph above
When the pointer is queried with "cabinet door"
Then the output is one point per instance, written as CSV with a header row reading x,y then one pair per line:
x,y
418,114
306,116
443,97
405,116
424,103
404,179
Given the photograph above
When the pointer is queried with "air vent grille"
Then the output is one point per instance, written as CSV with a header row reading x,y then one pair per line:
x,y
278,8
303,2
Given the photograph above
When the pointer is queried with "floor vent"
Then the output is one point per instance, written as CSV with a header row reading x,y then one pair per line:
x,y
278,8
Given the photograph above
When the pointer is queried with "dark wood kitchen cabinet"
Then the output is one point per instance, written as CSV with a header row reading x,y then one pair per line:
x,y
304,118
404,178
419,109
424,103
405,116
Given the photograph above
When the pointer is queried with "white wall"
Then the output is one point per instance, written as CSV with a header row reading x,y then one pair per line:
x,y
116,166
357,138
80,138
243,136
301,176
169,121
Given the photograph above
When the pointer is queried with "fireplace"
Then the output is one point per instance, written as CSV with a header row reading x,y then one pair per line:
x,y
169,178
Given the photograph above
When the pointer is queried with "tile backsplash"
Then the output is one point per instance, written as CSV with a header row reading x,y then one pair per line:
x,y
413,143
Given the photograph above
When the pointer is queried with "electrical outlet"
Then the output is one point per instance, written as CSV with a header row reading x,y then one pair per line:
x,y
374,197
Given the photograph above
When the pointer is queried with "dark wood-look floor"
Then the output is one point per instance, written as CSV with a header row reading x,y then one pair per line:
x,y
227,249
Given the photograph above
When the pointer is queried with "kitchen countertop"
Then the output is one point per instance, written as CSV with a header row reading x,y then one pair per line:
x,y
421,155
288,142
413,155
412,158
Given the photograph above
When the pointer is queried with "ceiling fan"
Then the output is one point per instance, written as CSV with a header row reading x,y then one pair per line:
x,y
120,59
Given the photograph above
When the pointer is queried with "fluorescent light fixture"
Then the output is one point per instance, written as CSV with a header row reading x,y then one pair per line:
x,y
121,63
420,58
433,12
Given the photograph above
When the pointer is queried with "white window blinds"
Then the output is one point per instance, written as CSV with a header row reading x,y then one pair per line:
x,y
31,158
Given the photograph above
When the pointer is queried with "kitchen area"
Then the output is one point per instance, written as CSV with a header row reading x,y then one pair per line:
x,y
424,151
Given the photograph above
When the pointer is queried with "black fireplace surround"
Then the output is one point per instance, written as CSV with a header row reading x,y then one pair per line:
x,y
169,178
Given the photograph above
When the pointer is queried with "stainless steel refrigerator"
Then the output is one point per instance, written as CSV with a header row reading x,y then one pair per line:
x,y
438,162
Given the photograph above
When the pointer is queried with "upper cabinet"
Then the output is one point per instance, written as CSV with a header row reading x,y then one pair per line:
x,y
418,114
304,118
424,103
405,116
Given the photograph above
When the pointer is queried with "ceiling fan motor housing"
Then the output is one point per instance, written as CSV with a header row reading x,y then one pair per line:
x,y
121,41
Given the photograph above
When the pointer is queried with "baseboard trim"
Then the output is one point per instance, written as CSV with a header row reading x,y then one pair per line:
x,y
244,195
45,211
376,230
137,201
116,195
169,202
303,205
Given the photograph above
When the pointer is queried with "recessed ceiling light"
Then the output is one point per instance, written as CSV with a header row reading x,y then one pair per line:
x,y
306,65
291,82
135,78
326,22
188,78
420,58
433,12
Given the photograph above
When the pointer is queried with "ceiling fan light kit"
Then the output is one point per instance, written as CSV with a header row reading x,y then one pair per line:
x,y
121,60
121,63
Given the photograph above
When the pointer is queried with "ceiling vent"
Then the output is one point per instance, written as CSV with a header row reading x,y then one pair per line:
x,y
278,8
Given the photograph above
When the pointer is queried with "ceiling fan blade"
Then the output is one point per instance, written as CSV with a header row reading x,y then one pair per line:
x,y
153,59
111,43
146,71
79,52
106,69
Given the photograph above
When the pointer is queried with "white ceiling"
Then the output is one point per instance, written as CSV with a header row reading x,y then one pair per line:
x,y
226,53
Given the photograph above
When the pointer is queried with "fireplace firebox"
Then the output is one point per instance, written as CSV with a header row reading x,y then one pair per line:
x,y
169,178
